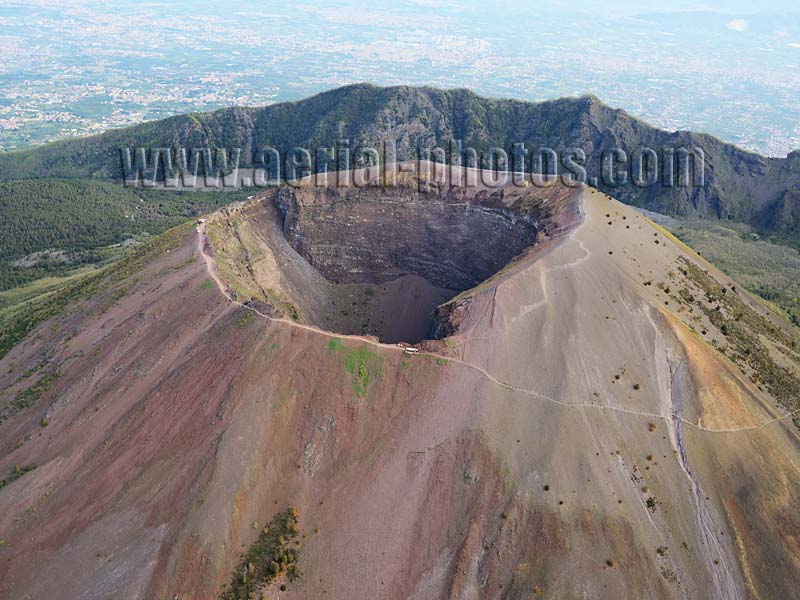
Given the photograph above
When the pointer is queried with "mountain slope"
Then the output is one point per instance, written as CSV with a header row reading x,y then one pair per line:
x,y
738,185
52,226
592,424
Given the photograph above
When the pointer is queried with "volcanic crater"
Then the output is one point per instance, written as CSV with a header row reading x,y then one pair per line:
x,y
381,260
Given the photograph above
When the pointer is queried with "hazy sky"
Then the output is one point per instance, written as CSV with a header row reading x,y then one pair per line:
x,y
78,66
628,7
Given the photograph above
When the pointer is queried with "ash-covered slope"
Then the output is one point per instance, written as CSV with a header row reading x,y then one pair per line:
x,y
601,421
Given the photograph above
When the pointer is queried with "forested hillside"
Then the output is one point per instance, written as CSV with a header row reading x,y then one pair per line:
x,y
738,185
51,226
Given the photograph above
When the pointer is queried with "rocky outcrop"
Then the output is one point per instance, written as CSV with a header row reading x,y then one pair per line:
x,y
448,318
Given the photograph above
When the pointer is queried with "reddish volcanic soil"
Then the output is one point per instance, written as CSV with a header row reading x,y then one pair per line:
x,y
572,436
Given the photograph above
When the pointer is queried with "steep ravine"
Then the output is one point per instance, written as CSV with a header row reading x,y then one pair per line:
x,y
713,551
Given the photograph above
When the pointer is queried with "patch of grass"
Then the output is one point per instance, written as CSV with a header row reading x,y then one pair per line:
x,y
28,291
31,395
28,373
335,344
364,366
767,269
17,320
744,329
273,554
245,320
207,285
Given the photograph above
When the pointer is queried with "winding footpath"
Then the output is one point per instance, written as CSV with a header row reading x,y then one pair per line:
x,y
202,241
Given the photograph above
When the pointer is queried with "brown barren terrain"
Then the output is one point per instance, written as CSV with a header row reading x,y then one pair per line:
x,y
574,425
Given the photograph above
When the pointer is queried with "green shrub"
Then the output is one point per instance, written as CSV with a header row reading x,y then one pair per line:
x,y
268,558
16,474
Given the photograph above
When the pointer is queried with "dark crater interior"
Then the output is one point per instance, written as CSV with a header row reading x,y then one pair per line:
x,y
394,257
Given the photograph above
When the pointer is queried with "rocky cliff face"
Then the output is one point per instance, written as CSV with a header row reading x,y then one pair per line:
x,y
783,214
378,235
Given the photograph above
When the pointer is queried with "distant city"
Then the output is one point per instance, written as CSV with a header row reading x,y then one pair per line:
x,y
734,76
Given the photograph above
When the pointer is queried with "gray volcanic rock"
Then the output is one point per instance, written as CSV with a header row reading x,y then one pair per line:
x,y
381,234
